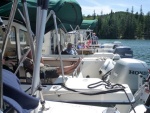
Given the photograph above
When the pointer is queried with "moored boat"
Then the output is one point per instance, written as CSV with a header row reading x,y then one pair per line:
x,y
72,82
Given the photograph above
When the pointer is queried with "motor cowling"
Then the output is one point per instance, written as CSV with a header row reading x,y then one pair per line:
x,y
129,71
106,67
124,51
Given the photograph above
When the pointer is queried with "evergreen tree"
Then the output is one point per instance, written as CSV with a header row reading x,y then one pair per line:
x,y
147,26
124,25
94,15
140,25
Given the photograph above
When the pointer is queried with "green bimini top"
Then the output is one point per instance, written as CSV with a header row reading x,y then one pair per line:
x,y
67,27
89,24
67,11
86,24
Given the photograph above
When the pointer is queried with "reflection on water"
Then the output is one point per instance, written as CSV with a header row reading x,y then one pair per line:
x,y
141,48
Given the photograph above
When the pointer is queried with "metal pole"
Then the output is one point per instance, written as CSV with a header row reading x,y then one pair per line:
x,y
24,56
22,59
28,27
75,36
36,78
58,43
24,20
11,17
49,15
38,19
1,22
1,83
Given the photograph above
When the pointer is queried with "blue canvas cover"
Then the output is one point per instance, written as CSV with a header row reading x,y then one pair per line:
x,y
12,89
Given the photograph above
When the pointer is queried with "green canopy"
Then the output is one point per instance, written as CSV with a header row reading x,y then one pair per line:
x,y
86,24
89,24
67,11
67,27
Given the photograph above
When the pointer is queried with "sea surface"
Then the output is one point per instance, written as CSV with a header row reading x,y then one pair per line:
x,y
141,48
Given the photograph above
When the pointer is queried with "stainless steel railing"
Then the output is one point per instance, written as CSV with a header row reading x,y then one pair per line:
x,y
77,70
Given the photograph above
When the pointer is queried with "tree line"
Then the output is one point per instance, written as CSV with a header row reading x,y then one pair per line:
x,y
122,25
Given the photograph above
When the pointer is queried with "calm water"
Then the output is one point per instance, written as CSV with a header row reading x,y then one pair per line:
x,y
141,48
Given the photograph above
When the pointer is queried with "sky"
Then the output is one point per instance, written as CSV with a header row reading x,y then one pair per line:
x,y
105,6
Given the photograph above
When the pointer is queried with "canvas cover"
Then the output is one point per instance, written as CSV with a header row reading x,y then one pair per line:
x,y
89,24
86,24
67,27
67,11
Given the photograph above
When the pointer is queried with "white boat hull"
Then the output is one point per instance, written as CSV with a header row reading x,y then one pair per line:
x,y
57,107
59,93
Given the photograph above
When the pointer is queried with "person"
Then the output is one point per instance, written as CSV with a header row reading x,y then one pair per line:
x,y
47,71
79,46
94,39
6,66
88,43
9,65
70,50
83,45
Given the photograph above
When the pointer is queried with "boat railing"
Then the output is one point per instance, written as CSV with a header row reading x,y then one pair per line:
x,y
77,70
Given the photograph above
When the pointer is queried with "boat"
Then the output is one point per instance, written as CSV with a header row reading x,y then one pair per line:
x,y
103,63
25,102
84,35
82,99
124,51
117,48
122,90
16,100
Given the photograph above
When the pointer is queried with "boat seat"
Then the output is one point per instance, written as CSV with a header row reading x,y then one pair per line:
x,y
13,92
13,105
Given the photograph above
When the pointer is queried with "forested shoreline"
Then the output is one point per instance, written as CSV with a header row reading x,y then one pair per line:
x,y
122,25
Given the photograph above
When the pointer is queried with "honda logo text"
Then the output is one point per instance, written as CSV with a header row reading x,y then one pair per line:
x,y
138,72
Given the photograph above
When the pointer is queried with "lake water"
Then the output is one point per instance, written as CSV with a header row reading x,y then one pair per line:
x,y
141,48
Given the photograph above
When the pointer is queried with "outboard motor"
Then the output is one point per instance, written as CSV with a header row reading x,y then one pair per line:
x,y
129,71
124,51
106,68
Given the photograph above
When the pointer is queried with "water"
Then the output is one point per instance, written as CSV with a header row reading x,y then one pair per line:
x,y
141,48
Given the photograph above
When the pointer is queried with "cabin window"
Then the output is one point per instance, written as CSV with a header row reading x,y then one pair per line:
x,y
23,36
13,35
1,34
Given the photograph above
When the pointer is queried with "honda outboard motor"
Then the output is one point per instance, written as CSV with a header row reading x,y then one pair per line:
x,y
124,51
129,71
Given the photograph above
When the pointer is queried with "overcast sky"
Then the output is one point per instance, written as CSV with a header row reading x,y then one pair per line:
x,y
88,6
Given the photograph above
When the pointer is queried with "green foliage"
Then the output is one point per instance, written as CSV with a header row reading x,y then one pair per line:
x,y
122,25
